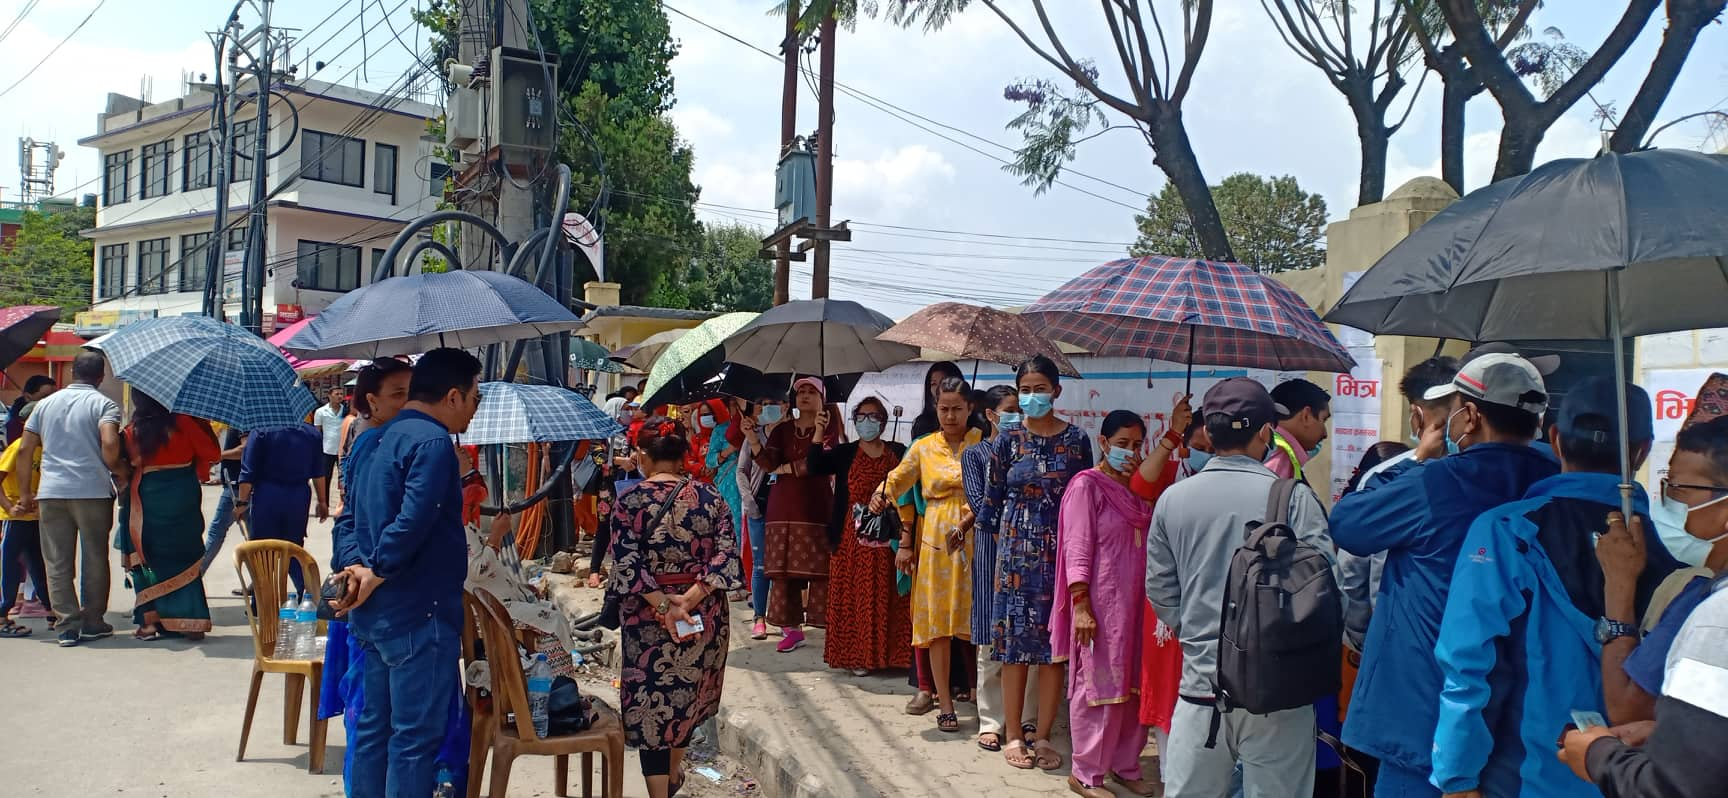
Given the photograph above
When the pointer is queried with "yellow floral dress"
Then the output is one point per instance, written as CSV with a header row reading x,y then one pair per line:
x,y
942,586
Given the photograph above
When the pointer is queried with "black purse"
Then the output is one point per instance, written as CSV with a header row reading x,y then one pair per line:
x,y
610,616
876,529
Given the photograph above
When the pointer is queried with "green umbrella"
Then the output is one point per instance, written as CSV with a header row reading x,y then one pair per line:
x,y
695,357
586,354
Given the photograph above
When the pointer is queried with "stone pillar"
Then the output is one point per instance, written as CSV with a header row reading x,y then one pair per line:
x,y
602,294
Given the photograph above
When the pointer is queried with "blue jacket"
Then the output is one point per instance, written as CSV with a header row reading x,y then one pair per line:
x,y
1518,645
408,528
1419,519
345,548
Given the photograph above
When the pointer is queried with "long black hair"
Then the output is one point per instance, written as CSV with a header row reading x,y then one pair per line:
x,y
152,424
926,422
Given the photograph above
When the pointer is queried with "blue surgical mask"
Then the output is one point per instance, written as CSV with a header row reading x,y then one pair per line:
x,y
1314,451
707,422
1119,458
1010,419
1670,517
869,429
1198,459
771,414
1453,446
1037,405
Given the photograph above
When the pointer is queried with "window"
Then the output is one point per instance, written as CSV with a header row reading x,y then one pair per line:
x,y
237,239
384,171
153,266
113,272
116,170
196,162
328,267
329,158
241,168
377,258
194,261
153,169
440,176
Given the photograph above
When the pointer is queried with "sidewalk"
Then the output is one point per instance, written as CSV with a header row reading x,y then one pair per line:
x,y
810,732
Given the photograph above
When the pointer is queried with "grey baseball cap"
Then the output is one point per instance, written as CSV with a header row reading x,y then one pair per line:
x,y
1545,364
1500,379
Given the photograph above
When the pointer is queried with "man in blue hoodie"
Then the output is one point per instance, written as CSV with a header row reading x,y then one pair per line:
x,y
1521,643
1473,457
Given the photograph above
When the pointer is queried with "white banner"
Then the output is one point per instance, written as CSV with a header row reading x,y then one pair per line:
x,y
1353,434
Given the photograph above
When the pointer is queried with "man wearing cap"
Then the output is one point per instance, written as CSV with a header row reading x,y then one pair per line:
x,y
1198,524
1419,518
1520,646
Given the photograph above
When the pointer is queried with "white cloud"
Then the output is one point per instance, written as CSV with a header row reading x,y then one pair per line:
x,y
697,123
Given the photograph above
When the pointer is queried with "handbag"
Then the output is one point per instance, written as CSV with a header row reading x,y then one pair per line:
x,y
567,710
876,529
610,616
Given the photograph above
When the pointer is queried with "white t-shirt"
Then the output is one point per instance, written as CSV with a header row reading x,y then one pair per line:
x,y
69,422
329,421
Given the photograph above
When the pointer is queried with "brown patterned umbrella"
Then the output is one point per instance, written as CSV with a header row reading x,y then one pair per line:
x,y
973,332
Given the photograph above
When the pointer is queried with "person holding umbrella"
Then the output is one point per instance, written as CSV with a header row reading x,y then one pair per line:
x,y
161,519
795,548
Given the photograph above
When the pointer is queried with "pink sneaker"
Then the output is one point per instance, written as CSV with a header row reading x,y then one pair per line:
x,y
759,630
793,641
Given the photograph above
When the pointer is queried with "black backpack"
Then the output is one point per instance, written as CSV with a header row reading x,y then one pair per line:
x,y
1283,618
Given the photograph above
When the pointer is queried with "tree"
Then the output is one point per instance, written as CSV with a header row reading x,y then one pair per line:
x,y
1273,224
1458,83
1354,72
1057,121
48,263
1686,18
723,275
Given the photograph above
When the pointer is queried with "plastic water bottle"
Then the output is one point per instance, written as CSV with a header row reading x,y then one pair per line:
x,y
540,693
305,627
446,784
286,620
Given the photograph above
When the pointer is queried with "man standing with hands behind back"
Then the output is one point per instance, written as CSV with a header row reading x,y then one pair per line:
x,y
404,599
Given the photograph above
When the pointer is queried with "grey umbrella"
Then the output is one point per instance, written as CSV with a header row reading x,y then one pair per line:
x,y
818,337
1578,249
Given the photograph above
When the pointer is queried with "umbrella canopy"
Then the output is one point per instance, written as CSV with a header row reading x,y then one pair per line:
x,y
210,369
306,368
970,332
515,413
643,353
692,359
1188,311
820,337
590,355
1533,256
21,327
402,315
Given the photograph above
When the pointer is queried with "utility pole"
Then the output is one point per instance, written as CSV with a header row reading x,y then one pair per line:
x,y
788,132
824,155
259,46
221,138
263,73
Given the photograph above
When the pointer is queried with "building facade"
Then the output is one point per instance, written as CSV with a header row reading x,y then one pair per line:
x,y
356,169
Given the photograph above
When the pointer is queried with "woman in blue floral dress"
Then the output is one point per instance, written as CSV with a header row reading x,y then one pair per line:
x,y
1031,465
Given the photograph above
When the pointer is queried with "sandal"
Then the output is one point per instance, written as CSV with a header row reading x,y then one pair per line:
x,y
1085,790
153,634
14,630
964,696
1017,755
921,703
948,721
1046,756
1144,787
993,745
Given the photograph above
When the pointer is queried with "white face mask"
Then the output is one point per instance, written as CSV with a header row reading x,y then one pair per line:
x,y
1670,516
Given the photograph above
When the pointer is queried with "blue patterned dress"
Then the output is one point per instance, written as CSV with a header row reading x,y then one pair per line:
x,y
1028,474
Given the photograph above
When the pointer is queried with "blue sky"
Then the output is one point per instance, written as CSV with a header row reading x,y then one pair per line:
x,y
1254,107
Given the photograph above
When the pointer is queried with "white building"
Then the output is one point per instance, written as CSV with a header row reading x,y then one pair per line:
x,y
359,167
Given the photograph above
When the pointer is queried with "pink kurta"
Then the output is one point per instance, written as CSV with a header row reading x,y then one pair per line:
x,y
1101,540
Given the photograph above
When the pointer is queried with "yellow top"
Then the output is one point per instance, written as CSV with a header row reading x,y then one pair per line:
x,y
9,465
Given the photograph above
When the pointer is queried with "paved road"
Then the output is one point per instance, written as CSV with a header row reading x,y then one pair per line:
x,y
163,719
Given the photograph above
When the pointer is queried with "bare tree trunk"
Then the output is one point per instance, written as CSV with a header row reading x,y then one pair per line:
x,y
1519,139
1456,89
1686,18
1371,183
1175,156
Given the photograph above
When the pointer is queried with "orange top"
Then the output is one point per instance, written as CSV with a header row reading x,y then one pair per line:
x,y
190,442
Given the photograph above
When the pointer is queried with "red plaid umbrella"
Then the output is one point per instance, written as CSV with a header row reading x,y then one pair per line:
x,y
21,327
1189,311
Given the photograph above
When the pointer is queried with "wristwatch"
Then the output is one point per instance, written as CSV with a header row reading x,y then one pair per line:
x,y
664,605
1609,630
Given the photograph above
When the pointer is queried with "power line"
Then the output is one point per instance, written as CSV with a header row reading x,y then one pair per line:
x,y
81,24
22,13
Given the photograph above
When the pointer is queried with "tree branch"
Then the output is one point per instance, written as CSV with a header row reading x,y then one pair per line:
x,y
1509,34
1619,40
1133,13
1686,18
1470,36
1066,64
1191,53
1136,77
1298,40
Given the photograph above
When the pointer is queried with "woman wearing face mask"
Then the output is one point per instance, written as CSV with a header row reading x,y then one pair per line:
x,y
1029,470
1691,517
1099,609
1001,411
795,549
705,418
754,485
869,622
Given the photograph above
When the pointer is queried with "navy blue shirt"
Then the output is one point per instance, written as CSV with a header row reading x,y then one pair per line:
x,y
291,455
407,499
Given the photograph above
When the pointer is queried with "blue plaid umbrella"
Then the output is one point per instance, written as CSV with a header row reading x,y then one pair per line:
x,y
511,412
419,312
210,369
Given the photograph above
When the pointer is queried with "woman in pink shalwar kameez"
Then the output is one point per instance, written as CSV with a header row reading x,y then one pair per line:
x,y
1095,624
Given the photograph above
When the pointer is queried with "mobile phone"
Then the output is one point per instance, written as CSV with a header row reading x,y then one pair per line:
x,y
1585,719
693,627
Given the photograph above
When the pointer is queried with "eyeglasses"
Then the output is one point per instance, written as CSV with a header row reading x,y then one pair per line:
x,y
1669,487
879,417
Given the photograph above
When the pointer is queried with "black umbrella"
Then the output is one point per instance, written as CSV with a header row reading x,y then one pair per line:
x,y
819,337
1578,249
21,327
749,384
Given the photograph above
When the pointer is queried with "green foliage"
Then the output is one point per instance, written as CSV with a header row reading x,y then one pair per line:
x,y
48,263
624,46
739,279
1273,224
1053,126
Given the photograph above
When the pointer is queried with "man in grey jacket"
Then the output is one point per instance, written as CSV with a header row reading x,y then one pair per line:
x,y
1198,524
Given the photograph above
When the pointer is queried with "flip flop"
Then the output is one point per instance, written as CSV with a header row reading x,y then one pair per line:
x,y
1045,755
13,630
995,743
151,636
1017,756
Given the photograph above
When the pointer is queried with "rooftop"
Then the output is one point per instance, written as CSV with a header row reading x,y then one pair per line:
x,y
645,312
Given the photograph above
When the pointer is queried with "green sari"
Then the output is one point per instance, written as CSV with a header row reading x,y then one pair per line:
x,y
163,548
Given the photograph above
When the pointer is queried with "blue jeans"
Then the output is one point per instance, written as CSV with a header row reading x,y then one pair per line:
x,y
758,570
219,524
407,678
20,553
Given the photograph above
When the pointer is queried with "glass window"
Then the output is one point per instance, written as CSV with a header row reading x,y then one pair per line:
x,y
153,266
196,162
384,171
153,169
241,168
237,238
113,277
440,176
194,261
116,170
328,267
329,158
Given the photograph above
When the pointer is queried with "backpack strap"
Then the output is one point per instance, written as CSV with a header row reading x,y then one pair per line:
x,y
1278,502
